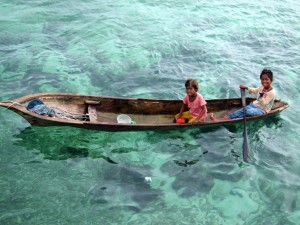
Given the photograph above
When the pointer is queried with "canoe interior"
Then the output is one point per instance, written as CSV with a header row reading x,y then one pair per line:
x,y
143,111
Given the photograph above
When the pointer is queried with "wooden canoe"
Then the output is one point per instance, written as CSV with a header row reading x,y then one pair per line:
x,y
102,111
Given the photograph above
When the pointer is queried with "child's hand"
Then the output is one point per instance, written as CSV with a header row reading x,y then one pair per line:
x,y
243,86
195,122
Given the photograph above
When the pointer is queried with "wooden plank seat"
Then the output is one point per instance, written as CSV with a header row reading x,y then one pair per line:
x,y
91,109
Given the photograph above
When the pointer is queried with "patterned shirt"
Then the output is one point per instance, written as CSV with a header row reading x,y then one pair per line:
x,y
264,100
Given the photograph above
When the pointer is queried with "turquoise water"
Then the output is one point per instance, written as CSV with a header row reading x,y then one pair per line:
x,y
62,175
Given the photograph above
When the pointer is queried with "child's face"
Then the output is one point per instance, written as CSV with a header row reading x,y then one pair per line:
x,y
265,81
190,91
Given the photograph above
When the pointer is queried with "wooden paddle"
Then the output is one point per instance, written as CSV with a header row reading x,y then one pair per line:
x,y
245,143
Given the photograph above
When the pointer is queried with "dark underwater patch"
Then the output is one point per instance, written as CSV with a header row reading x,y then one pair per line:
x,y
198,175
125,185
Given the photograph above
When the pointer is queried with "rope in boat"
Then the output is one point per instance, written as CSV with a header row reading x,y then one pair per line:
x,y
59,113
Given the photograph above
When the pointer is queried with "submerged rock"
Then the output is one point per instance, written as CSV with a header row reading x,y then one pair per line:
x,y
124,186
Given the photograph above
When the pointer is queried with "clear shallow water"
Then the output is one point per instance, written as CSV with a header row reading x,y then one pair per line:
x,y
61,175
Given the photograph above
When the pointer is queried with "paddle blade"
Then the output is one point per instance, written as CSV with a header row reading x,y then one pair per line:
x,y
245,143
245,146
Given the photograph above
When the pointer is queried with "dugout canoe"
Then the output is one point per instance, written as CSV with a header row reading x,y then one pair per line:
x,y
100,112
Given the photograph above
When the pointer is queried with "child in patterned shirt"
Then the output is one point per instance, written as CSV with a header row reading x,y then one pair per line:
x,y
264,102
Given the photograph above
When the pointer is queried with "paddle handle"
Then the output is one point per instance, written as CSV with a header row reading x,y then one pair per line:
x,y
245,143
243,95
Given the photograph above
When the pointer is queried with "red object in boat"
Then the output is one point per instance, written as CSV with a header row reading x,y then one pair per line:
x,y
180,120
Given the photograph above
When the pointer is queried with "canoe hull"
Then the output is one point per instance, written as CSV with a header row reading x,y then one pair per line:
x,y
150,114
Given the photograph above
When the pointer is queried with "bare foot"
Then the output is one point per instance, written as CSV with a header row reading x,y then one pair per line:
x,y
212,117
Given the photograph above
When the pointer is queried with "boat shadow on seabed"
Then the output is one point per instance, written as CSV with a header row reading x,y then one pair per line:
x,y
60,143
194,163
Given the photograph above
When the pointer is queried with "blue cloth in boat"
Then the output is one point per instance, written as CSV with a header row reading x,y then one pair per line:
x,y
38,107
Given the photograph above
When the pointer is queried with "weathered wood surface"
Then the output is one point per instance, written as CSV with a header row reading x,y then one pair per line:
x,y
149,114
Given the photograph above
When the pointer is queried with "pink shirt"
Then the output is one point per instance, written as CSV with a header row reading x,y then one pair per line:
x,y
195,106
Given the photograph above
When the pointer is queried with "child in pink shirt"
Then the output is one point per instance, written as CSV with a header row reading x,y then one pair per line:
x,y
195,102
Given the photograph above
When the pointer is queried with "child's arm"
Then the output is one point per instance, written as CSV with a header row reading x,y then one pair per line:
x,y
251,90
181,111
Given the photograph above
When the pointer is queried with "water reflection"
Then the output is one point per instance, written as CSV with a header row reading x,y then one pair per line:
x,y
60,143
253,126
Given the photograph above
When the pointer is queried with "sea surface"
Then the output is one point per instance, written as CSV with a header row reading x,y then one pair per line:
x,y
147,49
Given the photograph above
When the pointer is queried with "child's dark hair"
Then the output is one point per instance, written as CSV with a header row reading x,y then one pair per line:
x,y
193,83
267,72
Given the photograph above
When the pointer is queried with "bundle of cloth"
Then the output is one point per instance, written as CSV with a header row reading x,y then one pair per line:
x,y
37,106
